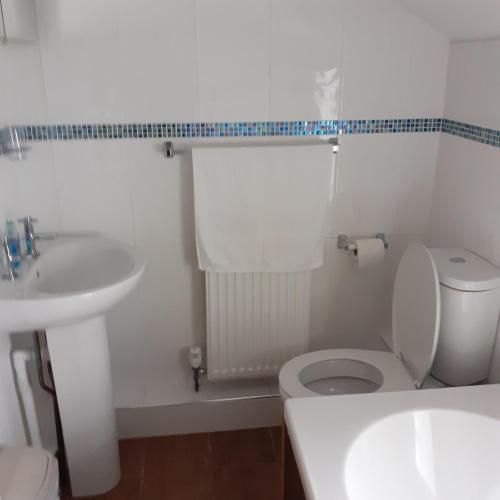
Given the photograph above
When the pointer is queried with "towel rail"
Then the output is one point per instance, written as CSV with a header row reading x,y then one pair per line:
x,y
170,152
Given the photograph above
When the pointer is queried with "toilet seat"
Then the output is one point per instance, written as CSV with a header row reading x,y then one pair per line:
x,y
394,375
415,325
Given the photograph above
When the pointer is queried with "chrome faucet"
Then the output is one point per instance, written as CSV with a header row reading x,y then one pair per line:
x,y
31,237
10,270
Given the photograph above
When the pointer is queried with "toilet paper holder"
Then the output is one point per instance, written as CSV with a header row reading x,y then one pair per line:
x,y
346,243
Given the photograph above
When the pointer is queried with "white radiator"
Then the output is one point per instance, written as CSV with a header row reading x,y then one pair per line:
x,y
255,322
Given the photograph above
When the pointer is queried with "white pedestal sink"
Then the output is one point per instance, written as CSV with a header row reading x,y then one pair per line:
x,y
67,291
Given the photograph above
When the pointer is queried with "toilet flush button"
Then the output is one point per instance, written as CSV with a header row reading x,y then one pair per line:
x,y
458,260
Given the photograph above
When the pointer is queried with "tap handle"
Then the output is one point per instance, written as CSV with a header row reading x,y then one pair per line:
x,y
28,220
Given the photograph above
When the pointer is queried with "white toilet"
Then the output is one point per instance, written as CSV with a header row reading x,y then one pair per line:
x,y
28,474
445,311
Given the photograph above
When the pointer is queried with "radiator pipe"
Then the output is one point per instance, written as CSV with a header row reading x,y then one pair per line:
x,y
196,377
39,365
50,388
20,361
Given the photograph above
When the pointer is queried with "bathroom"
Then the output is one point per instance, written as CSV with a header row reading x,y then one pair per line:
x,y
361,72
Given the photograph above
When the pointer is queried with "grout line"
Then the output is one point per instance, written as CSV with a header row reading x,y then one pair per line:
x,y
197,58
275,445
141,487
210,444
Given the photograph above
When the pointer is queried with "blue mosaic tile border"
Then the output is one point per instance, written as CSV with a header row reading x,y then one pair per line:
x,y
226,129
258,129
472,132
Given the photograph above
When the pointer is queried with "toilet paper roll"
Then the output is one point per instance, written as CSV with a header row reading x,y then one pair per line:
x,y
370,251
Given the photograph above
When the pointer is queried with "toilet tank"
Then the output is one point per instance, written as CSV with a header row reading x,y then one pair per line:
x,y
470,305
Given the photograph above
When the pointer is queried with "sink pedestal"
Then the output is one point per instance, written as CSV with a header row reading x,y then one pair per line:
x,y
79,355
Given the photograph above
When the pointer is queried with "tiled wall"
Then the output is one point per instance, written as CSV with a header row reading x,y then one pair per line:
x,y
467,170
466,211
220,61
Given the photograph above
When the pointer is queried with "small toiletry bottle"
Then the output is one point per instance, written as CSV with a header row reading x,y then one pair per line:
x,y
13,242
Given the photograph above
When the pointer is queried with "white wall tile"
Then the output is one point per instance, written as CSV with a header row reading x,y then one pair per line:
x,y
428,71
305,59
94,189
127,325
22,96
416,183
233,59
361,302
158,60
9,191
466,212
80,50
385,183
376,60
321,295
394,65
367,184
473,83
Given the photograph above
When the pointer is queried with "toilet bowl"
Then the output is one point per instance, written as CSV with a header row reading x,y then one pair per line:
x,y
436,315
28,474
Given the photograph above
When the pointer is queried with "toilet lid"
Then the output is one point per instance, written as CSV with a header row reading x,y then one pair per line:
x,y
416,311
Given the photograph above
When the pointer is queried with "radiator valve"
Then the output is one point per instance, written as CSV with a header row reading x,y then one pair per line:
x,y
195,360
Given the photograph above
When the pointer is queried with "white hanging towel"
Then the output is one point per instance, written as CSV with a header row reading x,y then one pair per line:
x,y
262,209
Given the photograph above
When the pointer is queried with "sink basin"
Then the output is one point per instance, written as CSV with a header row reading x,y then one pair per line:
x,y
433,454
66,292
74,278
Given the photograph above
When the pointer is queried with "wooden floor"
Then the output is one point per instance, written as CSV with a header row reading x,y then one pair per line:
x,y
234,465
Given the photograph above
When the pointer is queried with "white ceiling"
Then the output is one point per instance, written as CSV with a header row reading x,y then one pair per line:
x,y
459,20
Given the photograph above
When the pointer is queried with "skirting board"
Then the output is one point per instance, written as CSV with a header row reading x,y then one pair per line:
x,y
206,416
